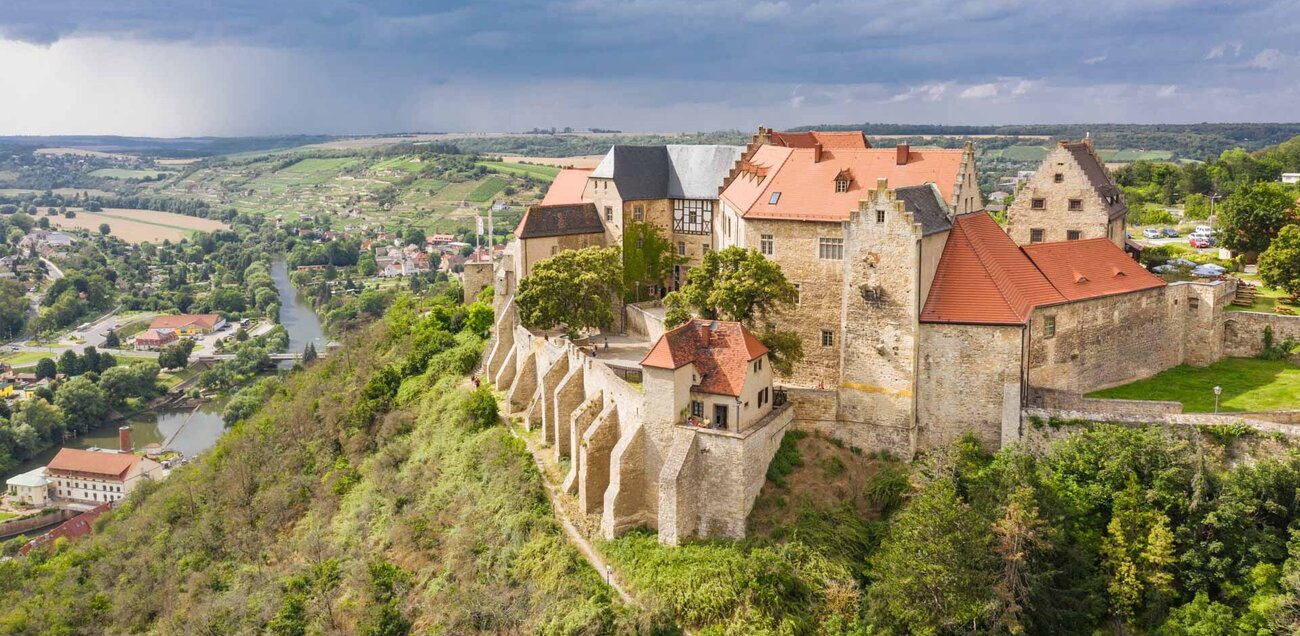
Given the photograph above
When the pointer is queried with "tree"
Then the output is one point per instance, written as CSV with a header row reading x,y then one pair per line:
x,y
45,368
70,364
83,404
1250,218
366,265
1196,207
479,318
45,418
13,309
176,356
1279,265
111,339
413,236
934,572
573,290
308,353
104,229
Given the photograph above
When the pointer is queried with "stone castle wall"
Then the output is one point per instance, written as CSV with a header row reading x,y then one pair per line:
x,y
966,374
1243,331
476,278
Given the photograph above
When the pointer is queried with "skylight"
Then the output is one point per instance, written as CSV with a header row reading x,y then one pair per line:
x,y
776,196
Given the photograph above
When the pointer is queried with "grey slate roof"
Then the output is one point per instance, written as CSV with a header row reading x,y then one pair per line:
x,y
667,172
925,202
560,220
1098,178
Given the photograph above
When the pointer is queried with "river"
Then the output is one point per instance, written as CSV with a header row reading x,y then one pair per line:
x,y
195,431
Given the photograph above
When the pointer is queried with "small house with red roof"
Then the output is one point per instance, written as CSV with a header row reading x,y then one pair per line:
x,y
188,324
155,339
719,374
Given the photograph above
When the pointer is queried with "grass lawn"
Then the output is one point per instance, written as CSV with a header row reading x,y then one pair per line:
x,y
1249,384
5,516
26,358
1267,299
541,173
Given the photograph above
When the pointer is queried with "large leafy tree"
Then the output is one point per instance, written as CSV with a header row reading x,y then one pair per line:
x,y
1279,265
744,286
573,290
13,309
1250,218
83,403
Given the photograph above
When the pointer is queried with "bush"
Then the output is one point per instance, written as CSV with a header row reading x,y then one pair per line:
x,y
482,408
1150,214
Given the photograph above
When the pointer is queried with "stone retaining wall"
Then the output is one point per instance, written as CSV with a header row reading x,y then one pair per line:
x,y
643,323
1038,438
1243,331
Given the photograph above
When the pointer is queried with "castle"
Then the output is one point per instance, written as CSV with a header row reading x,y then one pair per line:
x,y
921,319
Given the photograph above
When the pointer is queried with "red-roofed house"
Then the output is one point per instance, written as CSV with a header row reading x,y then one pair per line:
x,y
188,324
155,339
718,371
567,187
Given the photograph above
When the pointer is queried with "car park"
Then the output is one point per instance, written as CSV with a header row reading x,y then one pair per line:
x,y
1170,232
1152,233
1203,229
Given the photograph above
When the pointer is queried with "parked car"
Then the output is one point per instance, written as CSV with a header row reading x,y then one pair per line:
x,y
1203,229
1170,232
1198,241
1152,233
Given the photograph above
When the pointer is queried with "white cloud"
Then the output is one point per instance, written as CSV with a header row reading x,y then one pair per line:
x,y
1094,60
1219,51
1268,60
1166,91
926,92
980,91
768,11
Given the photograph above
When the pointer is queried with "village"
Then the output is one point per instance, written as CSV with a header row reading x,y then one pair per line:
x,y
921,318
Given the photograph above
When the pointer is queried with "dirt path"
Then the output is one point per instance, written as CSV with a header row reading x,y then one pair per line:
x,y
580,542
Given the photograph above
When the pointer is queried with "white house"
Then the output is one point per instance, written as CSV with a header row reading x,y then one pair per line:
x,y
1291,177
30,488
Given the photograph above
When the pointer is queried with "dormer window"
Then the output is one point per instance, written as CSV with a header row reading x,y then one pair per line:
x,y
841,185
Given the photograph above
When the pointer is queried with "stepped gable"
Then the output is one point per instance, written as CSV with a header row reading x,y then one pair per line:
x,y
926,205
559,220
983,278
1091,268
1098,177
799,183
720,350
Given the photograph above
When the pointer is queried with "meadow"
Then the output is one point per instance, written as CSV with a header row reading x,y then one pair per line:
x,y
138,226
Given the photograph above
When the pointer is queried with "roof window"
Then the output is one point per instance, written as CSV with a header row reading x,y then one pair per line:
x,y
776,196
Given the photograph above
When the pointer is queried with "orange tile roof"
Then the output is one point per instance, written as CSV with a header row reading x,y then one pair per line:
x,y
807,187
828,139
721,352
76,527
207,321
1090,268
567,186
93,462
984,278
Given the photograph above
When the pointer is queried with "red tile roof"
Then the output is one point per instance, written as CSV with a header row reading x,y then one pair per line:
x,y
78,526
983,278
109,464
807,185
721,352
206,321
828,139
567,186
1090,268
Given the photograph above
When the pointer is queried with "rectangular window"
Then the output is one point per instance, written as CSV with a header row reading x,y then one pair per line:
x,y
841,185
697,408
692,216
640,243
1038,204
798,294
1193,304
609,213
681,248
828,338
880,216
1049,327
765,244
553,249
704,248
776,196
1036,235
1076,205
638,212
1058,177
1073,235
831,249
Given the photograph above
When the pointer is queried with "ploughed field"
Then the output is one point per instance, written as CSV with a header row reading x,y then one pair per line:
x,y
138,226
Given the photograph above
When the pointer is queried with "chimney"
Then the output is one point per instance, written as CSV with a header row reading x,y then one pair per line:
x,y
124,439
817,152
904,153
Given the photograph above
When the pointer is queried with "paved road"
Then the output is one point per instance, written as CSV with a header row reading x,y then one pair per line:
x,y
55,272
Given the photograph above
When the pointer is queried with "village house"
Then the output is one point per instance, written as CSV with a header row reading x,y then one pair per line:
x,y
1071,197
188,325
155,339
29,489
97,475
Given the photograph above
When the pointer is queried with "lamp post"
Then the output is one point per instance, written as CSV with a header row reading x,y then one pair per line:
x,y
1217,390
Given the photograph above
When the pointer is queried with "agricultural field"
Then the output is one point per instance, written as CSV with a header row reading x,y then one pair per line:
x,y
139,226
125,173
579,161
438,193
541,173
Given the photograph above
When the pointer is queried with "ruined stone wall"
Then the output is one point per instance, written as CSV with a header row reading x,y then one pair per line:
x,y
966,192
820,281
475,278
1057,219
880,311
966,375
1243,331
1105,342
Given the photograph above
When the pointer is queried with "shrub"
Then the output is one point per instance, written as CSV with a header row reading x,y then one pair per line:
x,y
786,458
482,408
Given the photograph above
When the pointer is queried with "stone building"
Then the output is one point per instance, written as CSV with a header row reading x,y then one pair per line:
x,y
674,187
546,230
1071,197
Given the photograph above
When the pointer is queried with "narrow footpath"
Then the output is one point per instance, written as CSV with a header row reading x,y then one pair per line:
x,y
575,537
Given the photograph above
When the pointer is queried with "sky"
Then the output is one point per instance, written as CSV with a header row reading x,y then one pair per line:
x,y
256,67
